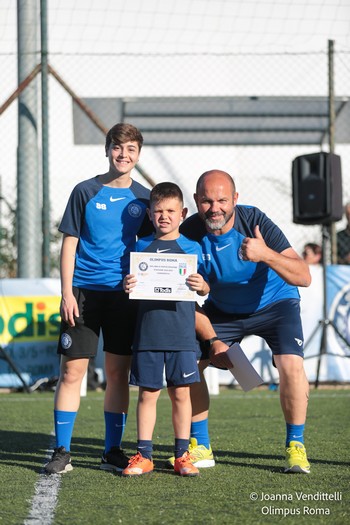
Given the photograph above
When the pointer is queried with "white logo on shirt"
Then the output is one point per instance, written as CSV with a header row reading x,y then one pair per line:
x,y
161,251
219,248
117,199
299,341
100,206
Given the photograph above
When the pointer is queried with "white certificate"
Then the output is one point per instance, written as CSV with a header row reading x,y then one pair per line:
x,y
162,276
242,369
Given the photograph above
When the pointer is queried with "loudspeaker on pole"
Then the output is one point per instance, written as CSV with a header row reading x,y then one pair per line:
x,y
317,189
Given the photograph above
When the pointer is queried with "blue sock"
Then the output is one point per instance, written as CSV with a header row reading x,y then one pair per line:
x,y
145,447
181,446
199,430
115,425
294,433
64,424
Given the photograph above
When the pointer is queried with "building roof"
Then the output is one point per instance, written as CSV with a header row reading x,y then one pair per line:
x,y
217,120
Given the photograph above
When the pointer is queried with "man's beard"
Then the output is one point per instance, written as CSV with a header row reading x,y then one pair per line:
x,y
217,224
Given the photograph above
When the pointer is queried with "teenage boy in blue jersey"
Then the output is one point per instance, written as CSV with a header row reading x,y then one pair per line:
x,y
253,275
103,216
165,338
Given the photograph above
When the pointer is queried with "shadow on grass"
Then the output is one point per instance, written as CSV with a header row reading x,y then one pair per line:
x,y
30,450
233,456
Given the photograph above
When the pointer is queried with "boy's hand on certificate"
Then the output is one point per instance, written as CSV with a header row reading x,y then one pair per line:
x,y
129,282
196,283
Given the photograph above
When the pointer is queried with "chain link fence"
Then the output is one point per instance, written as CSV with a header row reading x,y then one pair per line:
x,y
262,172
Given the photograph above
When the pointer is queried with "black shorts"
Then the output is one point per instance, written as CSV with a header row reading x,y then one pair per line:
x,y
111,313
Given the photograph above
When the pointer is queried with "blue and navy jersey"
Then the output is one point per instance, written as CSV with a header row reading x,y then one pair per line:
x,y
106,221
238,286
167,325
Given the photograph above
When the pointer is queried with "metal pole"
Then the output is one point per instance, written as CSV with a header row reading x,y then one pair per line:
x,y
28,205
328,232
325,321
331,132
331,109
45,142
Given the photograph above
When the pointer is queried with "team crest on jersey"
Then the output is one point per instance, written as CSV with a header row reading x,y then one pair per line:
x,y
134,210
182,268
340,314
66,341
240,253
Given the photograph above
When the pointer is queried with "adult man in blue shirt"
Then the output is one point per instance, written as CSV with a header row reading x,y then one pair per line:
x,y
253,275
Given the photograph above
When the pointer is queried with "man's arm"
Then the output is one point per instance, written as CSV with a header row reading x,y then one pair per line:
x,y
204,328
287,264
206,332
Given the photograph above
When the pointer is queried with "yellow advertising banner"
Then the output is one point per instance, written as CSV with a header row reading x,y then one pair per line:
x,y
29,318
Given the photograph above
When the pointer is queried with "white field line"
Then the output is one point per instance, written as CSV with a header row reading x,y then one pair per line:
x,y
43,505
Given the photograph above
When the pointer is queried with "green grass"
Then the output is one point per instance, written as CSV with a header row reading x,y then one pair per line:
x,y
247,434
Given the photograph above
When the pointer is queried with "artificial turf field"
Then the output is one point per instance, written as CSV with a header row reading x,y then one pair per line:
x,y
247,485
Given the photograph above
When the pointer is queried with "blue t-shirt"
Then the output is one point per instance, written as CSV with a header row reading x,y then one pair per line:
x,y
106,221
238,286
167,325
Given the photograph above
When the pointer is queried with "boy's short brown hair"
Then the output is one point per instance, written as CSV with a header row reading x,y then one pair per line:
x,y
166,190
121,133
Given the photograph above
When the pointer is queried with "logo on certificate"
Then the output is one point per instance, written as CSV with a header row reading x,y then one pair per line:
x,y
143,266
182,268
162,289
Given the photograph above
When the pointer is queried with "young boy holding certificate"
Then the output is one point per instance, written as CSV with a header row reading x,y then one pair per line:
x,y
165,337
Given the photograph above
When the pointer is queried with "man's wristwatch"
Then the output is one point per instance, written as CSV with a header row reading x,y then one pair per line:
x,y
209,342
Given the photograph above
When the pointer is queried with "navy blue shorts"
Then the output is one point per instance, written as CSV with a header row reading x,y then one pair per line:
x,y
279,324
149,368
111,312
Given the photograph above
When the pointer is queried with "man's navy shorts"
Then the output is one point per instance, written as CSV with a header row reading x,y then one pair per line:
x,y
279,324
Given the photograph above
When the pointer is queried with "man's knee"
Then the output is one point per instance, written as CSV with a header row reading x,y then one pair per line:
x,y
290,365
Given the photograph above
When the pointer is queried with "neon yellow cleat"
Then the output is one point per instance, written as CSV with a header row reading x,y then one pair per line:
x,y
296,458
202,457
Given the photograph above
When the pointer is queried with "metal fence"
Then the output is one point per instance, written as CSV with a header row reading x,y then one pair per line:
x,y
262,171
